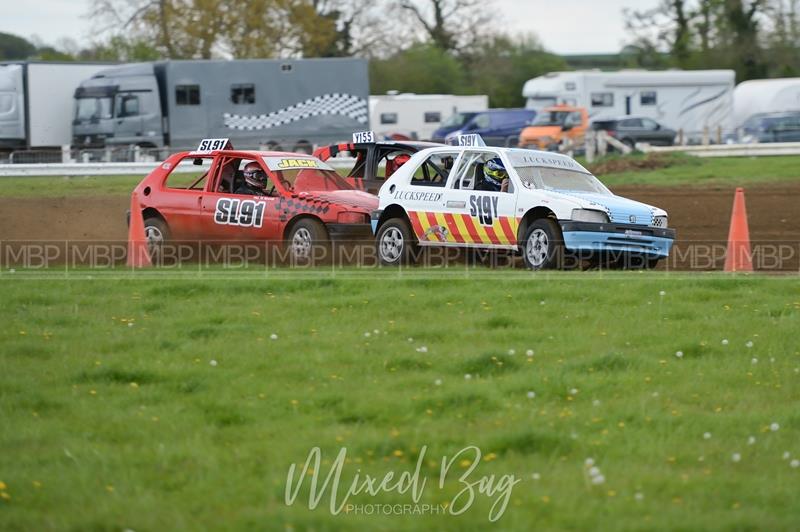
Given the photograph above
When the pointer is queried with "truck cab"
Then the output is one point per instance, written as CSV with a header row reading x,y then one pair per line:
x,y
119,106
553,125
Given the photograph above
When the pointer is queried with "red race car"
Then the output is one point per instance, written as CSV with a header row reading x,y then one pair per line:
x,y
218,194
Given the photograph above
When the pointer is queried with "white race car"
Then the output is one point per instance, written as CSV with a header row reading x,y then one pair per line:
x,y
549,209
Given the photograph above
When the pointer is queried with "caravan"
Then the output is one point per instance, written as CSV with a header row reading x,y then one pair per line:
x,y
762,96
688,101
418,116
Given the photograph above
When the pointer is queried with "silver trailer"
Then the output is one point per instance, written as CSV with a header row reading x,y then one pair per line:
x,y
36,102
287,104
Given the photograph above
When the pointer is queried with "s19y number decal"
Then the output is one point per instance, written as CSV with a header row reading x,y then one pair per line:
x,y
242,213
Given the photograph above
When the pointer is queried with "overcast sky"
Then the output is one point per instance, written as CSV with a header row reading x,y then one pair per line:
x,y
564,26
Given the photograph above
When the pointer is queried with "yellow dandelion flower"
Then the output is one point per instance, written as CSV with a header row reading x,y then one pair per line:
x,y
3,486
398,453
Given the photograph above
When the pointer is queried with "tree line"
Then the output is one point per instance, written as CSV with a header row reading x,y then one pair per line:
x,y
430,46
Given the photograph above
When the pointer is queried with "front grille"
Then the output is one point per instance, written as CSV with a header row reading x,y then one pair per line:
x,y
628,219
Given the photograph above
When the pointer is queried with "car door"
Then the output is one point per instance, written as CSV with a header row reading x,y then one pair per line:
x,y
181,195
231,217
474,217
128,127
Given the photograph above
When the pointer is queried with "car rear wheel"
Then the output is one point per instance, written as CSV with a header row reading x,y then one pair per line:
x,y
308,242
543,246
396,243
156,232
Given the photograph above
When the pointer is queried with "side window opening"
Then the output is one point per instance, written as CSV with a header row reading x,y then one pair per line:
x,y
390,161
648,98
433,117
360,167
602,99
435,171
243,94
471,175
388,118
228,176
187,94
190,173
127,105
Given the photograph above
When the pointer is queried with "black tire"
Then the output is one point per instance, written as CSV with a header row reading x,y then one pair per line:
x,y
308,242
395,243
543,246
157,233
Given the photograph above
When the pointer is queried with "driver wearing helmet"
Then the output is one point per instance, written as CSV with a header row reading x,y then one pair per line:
x,y
255,181
495,176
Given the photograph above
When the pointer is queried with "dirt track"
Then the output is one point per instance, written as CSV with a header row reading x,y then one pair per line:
x,y
700,215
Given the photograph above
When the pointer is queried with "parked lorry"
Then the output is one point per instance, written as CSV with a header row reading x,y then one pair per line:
x,y
281,104
418,116
694,102
36,102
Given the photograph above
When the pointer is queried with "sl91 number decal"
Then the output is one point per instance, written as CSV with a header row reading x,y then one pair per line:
x,y
242,213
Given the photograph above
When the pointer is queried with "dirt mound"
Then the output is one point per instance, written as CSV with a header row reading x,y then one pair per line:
x,y
651,161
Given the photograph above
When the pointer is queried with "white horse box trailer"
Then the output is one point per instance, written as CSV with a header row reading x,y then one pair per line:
x,y
417,116
687,100
36,102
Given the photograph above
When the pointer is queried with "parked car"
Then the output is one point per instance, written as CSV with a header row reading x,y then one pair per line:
x,y
632,129
772,127
455,122
497,127
553,126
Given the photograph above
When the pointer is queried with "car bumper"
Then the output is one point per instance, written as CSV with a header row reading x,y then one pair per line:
x,y
650,241
346,232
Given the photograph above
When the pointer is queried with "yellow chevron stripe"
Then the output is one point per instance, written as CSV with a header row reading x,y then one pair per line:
x,y
482,233
423,222
440,219
462,228
498,230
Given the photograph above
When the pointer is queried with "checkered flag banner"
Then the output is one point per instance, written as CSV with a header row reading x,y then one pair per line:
x,y
327,104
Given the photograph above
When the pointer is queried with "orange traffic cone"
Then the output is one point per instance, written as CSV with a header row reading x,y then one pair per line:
x,y
138,254
738,257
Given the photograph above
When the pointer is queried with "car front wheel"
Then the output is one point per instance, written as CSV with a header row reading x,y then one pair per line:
x,y
395,242
543,246
308,242
157,234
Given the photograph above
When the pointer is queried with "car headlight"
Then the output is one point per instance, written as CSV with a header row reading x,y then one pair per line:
x,y
588,215
660,221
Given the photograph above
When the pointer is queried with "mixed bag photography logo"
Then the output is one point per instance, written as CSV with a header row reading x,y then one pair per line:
x,y
459,486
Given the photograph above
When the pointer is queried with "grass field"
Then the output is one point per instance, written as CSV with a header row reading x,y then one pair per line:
x,y
160,403
669,170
